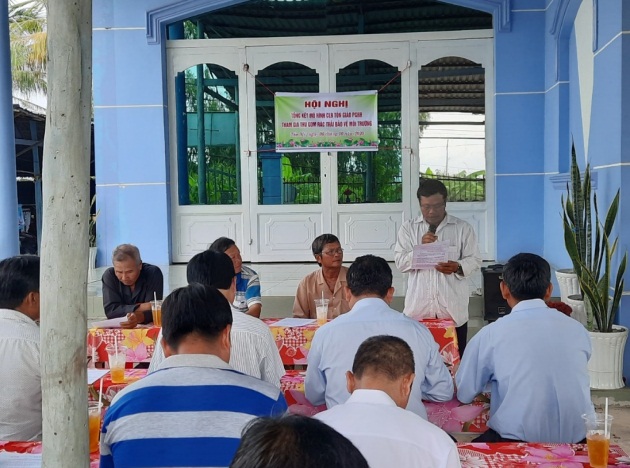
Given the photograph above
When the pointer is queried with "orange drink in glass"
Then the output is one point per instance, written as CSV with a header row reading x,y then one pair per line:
x,y
156,309
117,357
598,438
94,425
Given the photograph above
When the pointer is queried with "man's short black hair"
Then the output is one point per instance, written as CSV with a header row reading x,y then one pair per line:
x,y
295,441
197,309
18,276
369,274
385,355
222,244
320,241
430,187
211,268
527,276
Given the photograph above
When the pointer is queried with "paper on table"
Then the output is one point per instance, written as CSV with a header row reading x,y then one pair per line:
x,y
428,255
293,322
94,374
20,460
111,323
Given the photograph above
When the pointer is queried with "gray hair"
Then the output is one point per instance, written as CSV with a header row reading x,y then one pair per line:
x,y
125,251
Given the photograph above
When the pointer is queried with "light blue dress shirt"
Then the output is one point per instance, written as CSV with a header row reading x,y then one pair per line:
x,y
535,360
335,344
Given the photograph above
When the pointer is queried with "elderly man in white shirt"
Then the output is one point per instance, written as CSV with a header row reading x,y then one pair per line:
x,y
441,292
20,376
374,418
254,351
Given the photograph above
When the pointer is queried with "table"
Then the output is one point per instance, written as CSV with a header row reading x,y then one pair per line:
x,y
452,416
499,455
527,455
111,389
294,343
140,342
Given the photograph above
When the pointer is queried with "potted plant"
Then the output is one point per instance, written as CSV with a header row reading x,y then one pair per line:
x,y
592,254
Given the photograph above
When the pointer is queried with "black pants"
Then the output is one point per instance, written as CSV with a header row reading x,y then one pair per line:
x,y
493,436
462,337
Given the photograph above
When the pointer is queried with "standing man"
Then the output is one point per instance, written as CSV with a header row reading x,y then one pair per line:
x,y
20,374
130,286
441,292
535,361
328,282
335,344
191,411
374,417
247,299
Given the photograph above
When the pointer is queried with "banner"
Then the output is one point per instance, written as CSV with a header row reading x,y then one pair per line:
x,y
338,121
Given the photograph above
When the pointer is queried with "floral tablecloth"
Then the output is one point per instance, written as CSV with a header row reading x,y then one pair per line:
x,y
111,389
501,455
36,447
140,342
294,343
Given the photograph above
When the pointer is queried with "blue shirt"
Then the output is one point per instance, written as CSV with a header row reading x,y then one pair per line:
x,y
335,344
190,412
247,290
535,360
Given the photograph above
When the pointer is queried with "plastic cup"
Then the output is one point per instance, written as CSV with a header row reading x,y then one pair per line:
x,y
94,424
598,438
156,309
321,307
117,360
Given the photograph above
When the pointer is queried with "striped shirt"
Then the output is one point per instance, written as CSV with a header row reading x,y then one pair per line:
x,y
254,351
190,412
247,290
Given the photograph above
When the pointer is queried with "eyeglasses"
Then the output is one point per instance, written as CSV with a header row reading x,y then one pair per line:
x,y
435,207
332,253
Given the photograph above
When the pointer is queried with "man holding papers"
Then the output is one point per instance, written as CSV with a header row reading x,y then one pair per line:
x,y
439,251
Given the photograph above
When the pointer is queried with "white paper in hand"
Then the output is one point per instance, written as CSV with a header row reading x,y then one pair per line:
x,y
111,323
426,256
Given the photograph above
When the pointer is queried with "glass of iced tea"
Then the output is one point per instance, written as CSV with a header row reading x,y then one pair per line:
x,y
117,357
156,309
598,438
94,424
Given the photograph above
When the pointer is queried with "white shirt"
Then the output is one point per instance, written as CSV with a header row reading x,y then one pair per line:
x,y
20,378
431,294
335,344
254,351
389,436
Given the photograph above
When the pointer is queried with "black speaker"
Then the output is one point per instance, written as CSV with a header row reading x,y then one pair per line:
x,y
494,306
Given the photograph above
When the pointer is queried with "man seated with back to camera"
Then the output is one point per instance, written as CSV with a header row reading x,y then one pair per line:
x,y
335,344
129,287
535,361
192,410
374,417
254,351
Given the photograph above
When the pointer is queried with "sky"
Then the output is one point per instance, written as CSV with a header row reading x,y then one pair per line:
x,y
453,148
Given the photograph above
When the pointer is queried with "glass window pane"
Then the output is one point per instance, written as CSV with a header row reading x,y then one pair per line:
x,y
367,176
215,178
452,126
292,178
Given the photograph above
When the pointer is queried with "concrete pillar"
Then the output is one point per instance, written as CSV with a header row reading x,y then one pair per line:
x,y
9,241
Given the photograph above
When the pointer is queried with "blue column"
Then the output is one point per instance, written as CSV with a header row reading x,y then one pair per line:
x,y
9,243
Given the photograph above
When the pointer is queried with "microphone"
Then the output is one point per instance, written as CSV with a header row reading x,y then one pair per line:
x,y
432,228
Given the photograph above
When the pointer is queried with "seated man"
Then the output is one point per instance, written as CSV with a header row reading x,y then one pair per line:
x,y
295,441
374,418
20,375
191,411
130,286
328,282
334,345
247,298
535,361
254,351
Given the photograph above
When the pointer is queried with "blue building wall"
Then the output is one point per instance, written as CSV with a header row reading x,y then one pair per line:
x,y
540,99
